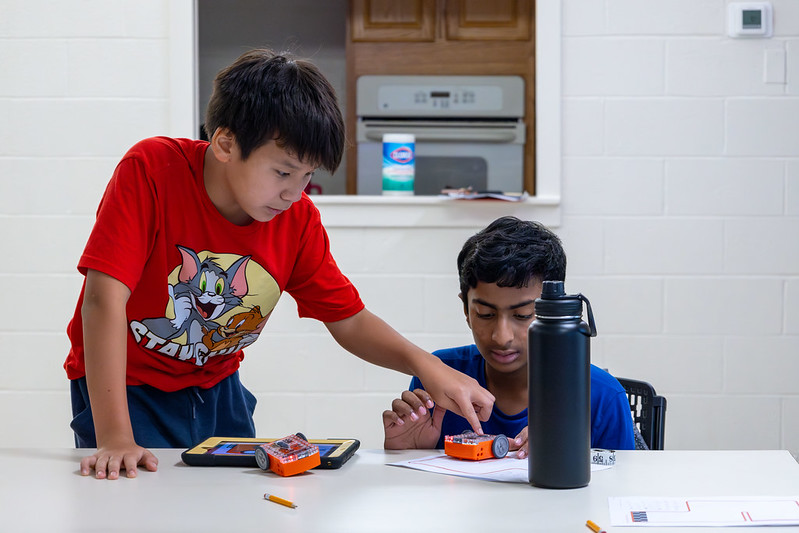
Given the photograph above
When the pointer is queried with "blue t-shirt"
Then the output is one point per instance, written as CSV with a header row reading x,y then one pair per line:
x,y
611,419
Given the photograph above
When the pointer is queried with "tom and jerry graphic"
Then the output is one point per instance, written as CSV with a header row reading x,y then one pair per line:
x,y
213,308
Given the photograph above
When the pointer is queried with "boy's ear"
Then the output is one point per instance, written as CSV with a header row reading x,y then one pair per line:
x,y
465,309
222,143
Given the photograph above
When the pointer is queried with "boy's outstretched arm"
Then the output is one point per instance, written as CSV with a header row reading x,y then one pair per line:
x,y
105,347
370,338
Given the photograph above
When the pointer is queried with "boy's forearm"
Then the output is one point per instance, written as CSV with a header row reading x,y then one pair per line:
x,y
108,398
105,356
373,340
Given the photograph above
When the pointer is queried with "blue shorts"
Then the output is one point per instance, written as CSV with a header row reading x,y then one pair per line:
x,y
177,419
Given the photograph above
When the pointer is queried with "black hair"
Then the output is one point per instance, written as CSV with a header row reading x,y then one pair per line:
x,y
511,253
264,95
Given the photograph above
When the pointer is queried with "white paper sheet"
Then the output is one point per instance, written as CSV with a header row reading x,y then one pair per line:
x,y
509,469
721,511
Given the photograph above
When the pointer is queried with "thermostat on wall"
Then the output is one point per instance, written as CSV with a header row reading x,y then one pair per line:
x,y
749,19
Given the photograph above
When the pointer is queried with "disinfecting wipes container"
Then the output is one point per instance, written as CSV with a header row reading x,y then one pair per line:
x,y
398,163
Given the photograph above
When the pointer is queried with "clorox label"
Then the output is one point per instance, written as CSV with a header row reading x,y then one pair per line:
x,y
402,155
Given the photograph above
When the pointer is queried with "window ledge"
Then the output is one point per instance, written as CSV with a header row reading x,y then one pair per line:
x,y
347,211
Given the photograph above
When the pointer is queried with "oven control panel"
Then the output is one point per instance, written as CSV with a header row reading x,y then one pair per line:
x,y
450,96
420,98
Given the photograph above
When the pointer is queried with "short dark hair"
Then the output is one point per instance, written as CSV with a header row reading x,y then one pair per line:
x,y
264,95
511,253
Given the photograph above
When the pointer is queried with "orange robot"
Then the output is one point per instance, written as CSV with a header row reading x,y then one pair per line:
x,y
288,456
475,447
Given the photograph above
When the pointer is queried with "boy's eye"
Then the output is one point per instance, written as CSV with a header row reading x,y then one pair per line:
x,y
283,174
524,317
484,315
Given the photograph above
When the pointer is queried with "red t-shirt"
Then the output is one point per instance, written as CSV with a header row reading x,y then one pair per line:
x,y
202,288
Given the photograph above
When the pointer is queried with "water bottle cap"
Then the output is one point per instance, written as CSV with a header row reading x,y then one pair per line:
x,y
555,303
552,289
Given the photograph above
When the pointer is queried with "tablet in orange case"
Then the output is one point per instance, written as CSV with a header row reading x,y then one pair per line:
x,y
240,451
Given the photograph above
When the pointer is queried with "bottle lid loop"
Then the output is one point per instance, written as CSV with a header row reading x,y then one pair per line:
x,y
555,304
591,323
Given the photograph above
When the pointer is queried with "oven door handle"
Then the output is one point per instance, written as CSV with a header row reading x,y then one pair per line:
x,y
472,135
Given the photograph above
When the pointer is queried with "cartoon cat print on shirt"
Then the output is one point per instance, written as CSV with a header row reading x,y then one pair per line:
x,y
199,300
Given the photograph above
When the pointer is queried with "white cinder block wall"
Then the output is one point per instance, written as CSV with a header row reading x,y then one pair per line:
x,y
680,215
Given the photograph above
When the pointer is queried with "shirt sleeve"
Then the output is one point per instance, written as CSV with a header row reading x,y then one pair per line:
x,y
612,424
317,284
127,220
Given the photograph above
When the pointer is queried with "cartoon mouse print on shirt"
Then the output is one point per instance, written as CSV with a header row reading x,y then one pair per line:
x,y
207,315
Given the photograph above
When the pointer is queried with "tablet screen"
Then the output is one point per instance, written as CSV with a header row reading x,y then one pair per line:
x,y
233,448
325,449
248,448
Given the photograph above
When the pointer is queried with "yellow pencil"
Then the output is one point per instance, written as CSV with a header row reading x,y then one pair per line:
x,y
279,500
595,528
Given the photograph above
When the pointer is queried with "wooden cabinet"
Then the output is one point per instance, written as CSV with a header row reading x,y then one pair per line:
x,y
454,20
481,20
393,20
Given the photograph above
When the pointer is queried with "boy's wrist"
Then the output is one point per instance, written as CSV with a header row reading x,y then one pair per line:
x,y
116,435
424,364
116,441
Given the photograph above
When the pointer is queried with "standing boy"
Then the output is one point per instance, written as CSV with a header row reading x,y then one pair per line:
x,y
193,244
501,270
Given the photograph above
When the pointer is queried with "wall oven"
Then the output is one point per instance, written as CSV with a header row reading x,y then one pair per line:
x,y
469,130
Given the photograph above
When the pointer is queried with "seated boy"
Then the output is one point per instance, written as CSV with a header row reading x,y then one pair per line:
x,y
193,245
501,270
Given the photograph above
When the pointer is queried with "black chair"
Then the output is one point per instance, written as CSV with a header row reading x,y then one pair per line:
x,y
648,409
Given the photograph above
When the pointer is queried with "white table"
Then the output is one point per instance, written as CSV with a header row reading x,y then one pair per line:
x,y
41,490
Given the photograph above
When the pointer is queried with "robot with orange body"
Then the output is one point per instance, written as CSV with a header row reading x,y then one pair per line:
x,y
474,447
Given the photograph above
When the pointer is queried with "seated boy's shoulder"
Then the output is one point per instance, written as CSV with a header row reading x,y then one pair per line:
x,y
604,379
459,356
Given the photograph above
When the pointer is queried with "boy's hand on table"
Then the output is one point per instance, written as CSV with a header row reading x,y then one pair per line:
x,y
410,425
520,443
108,461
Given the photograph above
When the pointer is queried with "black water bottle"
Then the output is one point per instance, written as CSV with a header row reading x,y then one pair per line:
x,y
559,423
